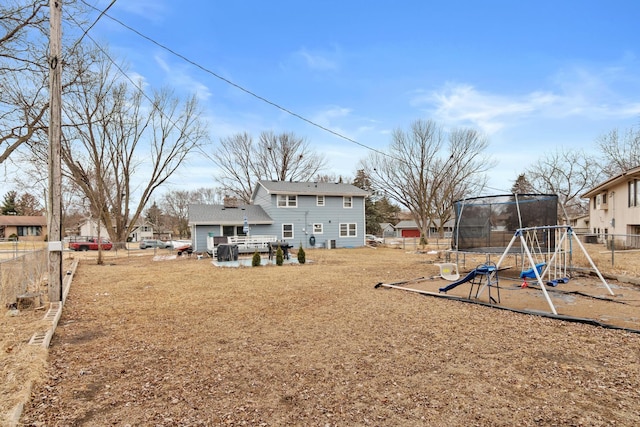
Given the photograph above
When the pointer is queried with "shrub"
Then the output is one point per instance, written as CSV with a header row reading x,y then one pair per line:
x,y
279,256
255,261
302,257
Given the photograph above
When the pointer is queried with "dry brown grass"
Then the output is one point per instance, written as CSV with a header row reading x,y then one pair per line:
x,y
180,342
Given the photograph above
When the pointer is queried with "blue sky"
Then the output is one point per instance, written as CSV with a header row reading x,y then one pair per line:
x,y
532,75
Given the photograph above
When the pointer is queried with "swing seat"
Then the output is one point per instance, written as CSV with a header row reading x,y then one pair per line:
x,y
449,271
530,274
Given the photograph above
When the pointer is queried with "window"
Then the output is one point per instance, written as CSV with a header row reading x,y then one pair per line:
x,y
347,202
633,193
287,231
287,201
30,231
319,200
317,228
348,230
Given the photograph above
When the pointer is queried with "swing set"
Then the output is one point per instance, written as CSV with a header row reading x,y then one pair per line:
x,y
547,252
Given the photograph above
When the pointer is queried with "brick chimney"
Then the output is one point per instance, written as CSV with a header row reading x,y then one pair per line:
x,y
230,202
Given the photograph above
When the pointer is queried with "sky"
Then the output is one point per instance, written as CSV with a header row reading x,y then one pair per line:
x,y
533,76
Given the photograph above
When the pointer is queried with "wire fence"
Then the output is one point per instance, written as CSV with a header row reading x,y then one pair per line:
x,y
24,265
23,274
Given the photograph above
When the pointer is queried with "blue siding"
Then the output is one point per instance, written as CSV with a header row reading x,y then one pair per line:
x,y
302,217
200,233
199,236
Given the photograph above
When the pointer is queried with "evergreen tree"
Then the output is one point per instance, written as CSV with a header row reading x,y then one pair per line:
x,y
522,185
377,209
9,204
302,256
256,260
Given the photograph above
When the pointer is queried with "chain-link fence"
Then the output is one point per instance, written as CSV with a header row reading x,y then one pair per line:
x,y
24,273
622,250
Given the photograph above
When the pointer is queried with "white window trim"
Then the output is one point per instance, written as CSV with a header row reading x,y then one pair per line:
x,y
320,198
321,228
344,202
288,203
292,234
348,224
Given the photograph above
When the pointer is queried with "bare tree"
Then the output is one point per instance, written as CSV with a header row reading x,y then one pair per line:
x,y
425,170
234,156
119,143
24,71
568,174
281,157
621,151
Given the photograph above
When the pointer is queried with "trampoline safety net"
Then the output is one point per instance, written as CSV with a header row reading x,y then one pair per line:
x,y
487,224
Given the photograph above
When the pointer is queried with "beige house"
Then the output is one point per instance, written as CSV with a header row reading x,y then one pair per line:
x,y
89,228
26,228
141,231
614,209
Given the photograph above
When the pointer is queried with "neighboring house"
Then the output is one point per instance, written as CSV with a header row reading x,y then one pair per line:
x,y
614,209
27,228
311,214
580,224
409,228
141,231
388,230
89,228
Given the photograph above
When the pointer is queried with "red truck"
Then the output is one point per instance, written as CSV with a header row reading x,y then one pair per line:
x,y
90,244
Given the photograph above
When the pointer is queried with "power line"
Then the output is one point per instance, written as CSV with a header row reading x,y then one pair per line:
x,y
102,13
239,87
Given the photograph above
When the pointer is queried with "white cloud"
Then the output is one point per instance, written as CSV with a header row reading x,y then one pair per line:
x,y
463,104
578,93
178,77
329,115
318,61
151,10
138,79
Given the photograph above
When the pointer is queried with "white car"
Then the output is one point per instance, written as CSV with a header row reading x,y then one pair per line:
x,y
370,238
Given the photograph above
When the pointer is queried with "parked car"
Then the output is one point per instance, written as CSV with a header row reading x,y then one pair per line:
x,y
370,238
154,243
90,244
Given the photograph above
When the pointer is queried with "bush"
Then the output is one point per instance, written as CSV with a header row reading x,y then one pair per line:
x,y
279,256
255,261
302,257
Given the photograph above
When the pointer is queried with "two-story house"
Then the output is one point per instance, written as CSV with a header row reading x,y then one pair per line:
x,y
614,209
311,214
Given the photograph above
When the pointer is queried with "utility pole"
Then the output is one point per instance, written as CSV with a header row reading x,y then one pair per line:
x,y
55,166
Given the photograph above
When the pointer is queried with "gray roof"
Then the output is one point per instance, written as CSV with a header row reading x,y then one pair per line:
x,y
219,214
406,224
412,224
310,188
616,180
